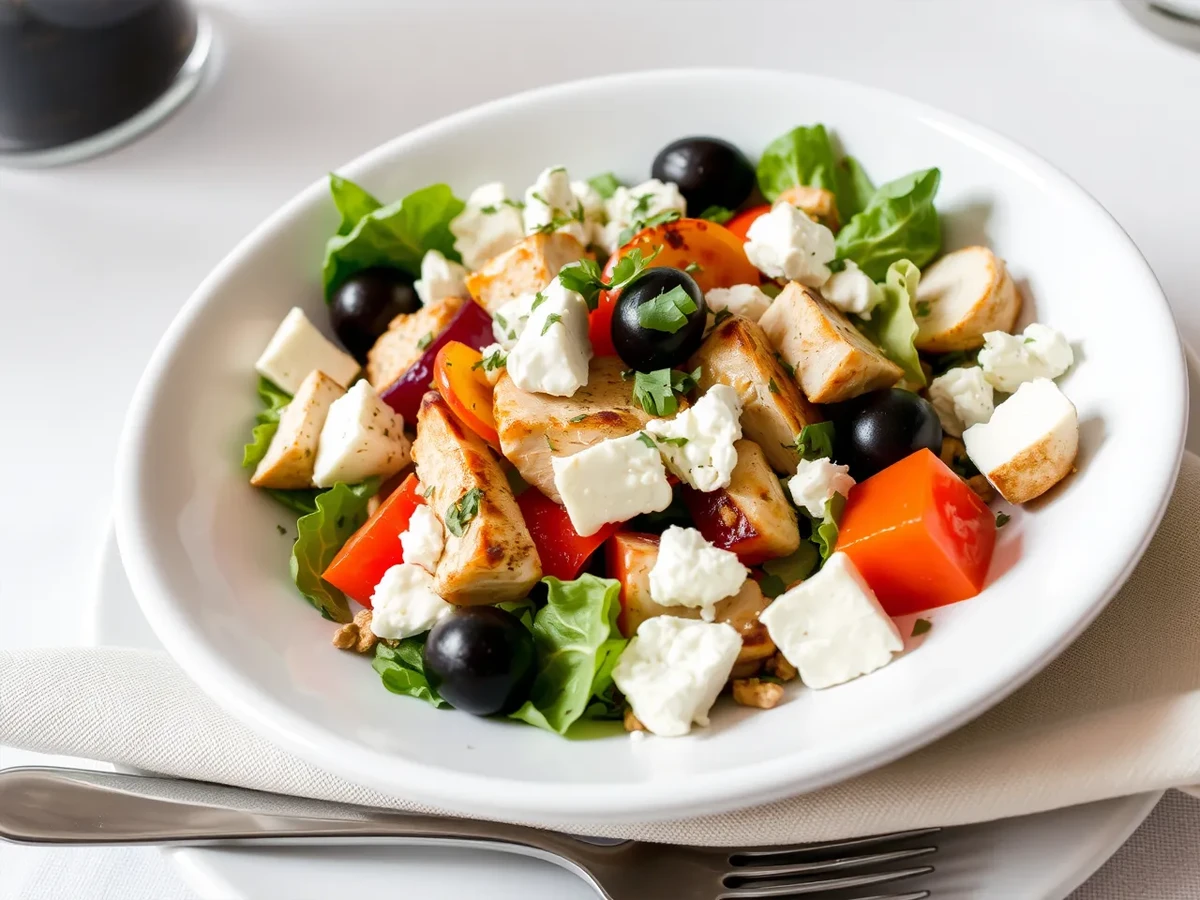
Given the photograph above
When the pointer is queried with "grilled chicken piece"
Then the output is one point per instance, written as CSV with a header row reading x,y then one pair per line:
x,y
292,455
494,559
969,292
524,269
833,361
405,340
817,203
737,353
535,427
752,517
633,555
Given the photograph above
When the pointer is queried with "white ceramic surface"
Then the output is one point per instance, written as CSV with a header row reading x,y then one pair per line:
x,y
210,570
1043,856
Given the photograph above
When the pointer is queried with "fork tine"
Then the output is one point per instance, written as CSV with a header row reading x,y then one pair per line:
x,y
844,844
751,873
763,892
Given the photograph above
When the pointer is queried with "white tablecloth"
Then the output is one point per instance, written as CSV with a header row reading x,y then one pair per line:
x,y
97,258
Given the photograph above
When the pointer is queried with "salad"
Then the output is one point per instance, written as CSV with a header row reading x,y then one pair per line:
x,y
608,450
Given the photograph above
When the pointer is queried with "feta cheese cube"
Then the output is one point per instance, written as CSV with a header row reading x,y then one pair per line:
x,y
299,348
552,353
962,398
594,215
362,436
1009,360
424,539
404,603
440,277
629,206
815,481
612,481
510,319
746,300
852,291
673,670
691,572
785,243
489,225
550,200
698,442
1030,442
831,627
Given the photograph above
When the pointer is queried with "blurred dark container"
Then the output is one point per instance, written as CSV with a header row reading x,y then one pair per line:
x,y
71,69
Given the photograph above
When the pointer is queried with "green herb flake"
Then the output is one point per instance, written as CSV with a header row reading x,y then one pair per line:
x,y
1002,519
574,420
920,627
646,439
460,514
786,366
551,319
923,309
605,184
654,221
772,386
495,360
425,341
672,441
550,443
427,492
538,299
815,441
721,316
1028,340
718,214
693,267
668,312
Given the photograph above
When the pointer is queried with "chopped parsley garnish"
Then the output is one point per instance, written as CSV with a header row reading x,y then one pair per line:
x,y
692,267
427,492
550,443
503,321
460,514
772,386
920,627
494,360
584,277
645,439
786,366
1002,519
672,441
656,390
538,299
1028,341
815,441
579,418
661,218
492,209
538,197
718,214
425,341
923,309
550,320
605,184
721,316
668,311
641,204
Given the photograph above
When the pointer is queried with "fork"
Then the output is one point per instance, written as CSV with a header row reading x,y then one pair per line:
x,y
81,807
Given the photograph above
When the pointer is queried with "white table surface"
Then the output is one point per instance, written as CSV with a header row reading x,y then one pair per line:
x,y
95,259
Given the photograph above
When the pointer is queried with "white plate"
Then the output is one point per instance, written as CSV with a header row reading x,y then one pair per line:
x,y
1042,857
210,571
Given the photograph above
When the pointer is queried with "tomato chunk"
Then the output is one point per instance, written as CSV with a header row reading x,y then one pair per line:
x,y
458,377
741,223
719,257
375,547
562,549
918,534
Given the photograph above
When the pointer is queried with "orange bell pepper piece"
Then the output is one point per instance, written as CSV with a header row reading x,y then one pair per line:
x,y
920,537
462,383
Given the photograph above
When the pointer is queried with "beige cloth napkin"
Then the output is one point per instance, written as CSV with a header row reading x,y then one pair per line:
x,y
1118,713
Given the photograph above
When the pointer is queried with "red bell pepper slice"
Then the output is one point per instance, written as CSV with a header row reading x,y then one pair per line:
x,y
375,547
562,549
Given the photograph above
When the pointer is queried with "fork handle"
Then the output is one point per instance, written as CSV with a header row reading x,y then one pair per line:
x,y
60,806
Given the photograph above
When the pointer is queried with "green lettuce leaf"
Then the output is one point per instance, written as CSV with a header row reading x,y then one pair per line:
x,y
396,235
266,422
899,222
779,573
301,501
802,156
320,535
402,670
893,324
578,644
352,201
855,188
825,534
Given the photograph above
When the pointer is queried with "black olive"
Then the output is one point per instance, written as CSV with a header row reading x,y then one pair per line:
x,y
883,427
709,172
646,349
366,302
481,659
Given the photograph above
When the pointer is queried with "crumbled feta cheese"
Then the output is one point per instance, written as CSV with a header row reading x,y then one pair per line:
x,y
852,291
691,572
551,355
831,627
1009,360
746,300
785,243
673,670
440,277
962,398
489,225
510,319
611,481
628,206
594,215
404,603
815,481
1029,443
424,539
493,362
551,199
362,436
298,348
698,442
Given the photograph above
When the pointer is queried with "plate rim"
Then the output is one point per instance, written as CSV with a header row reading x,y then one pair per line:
x,y
715,792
